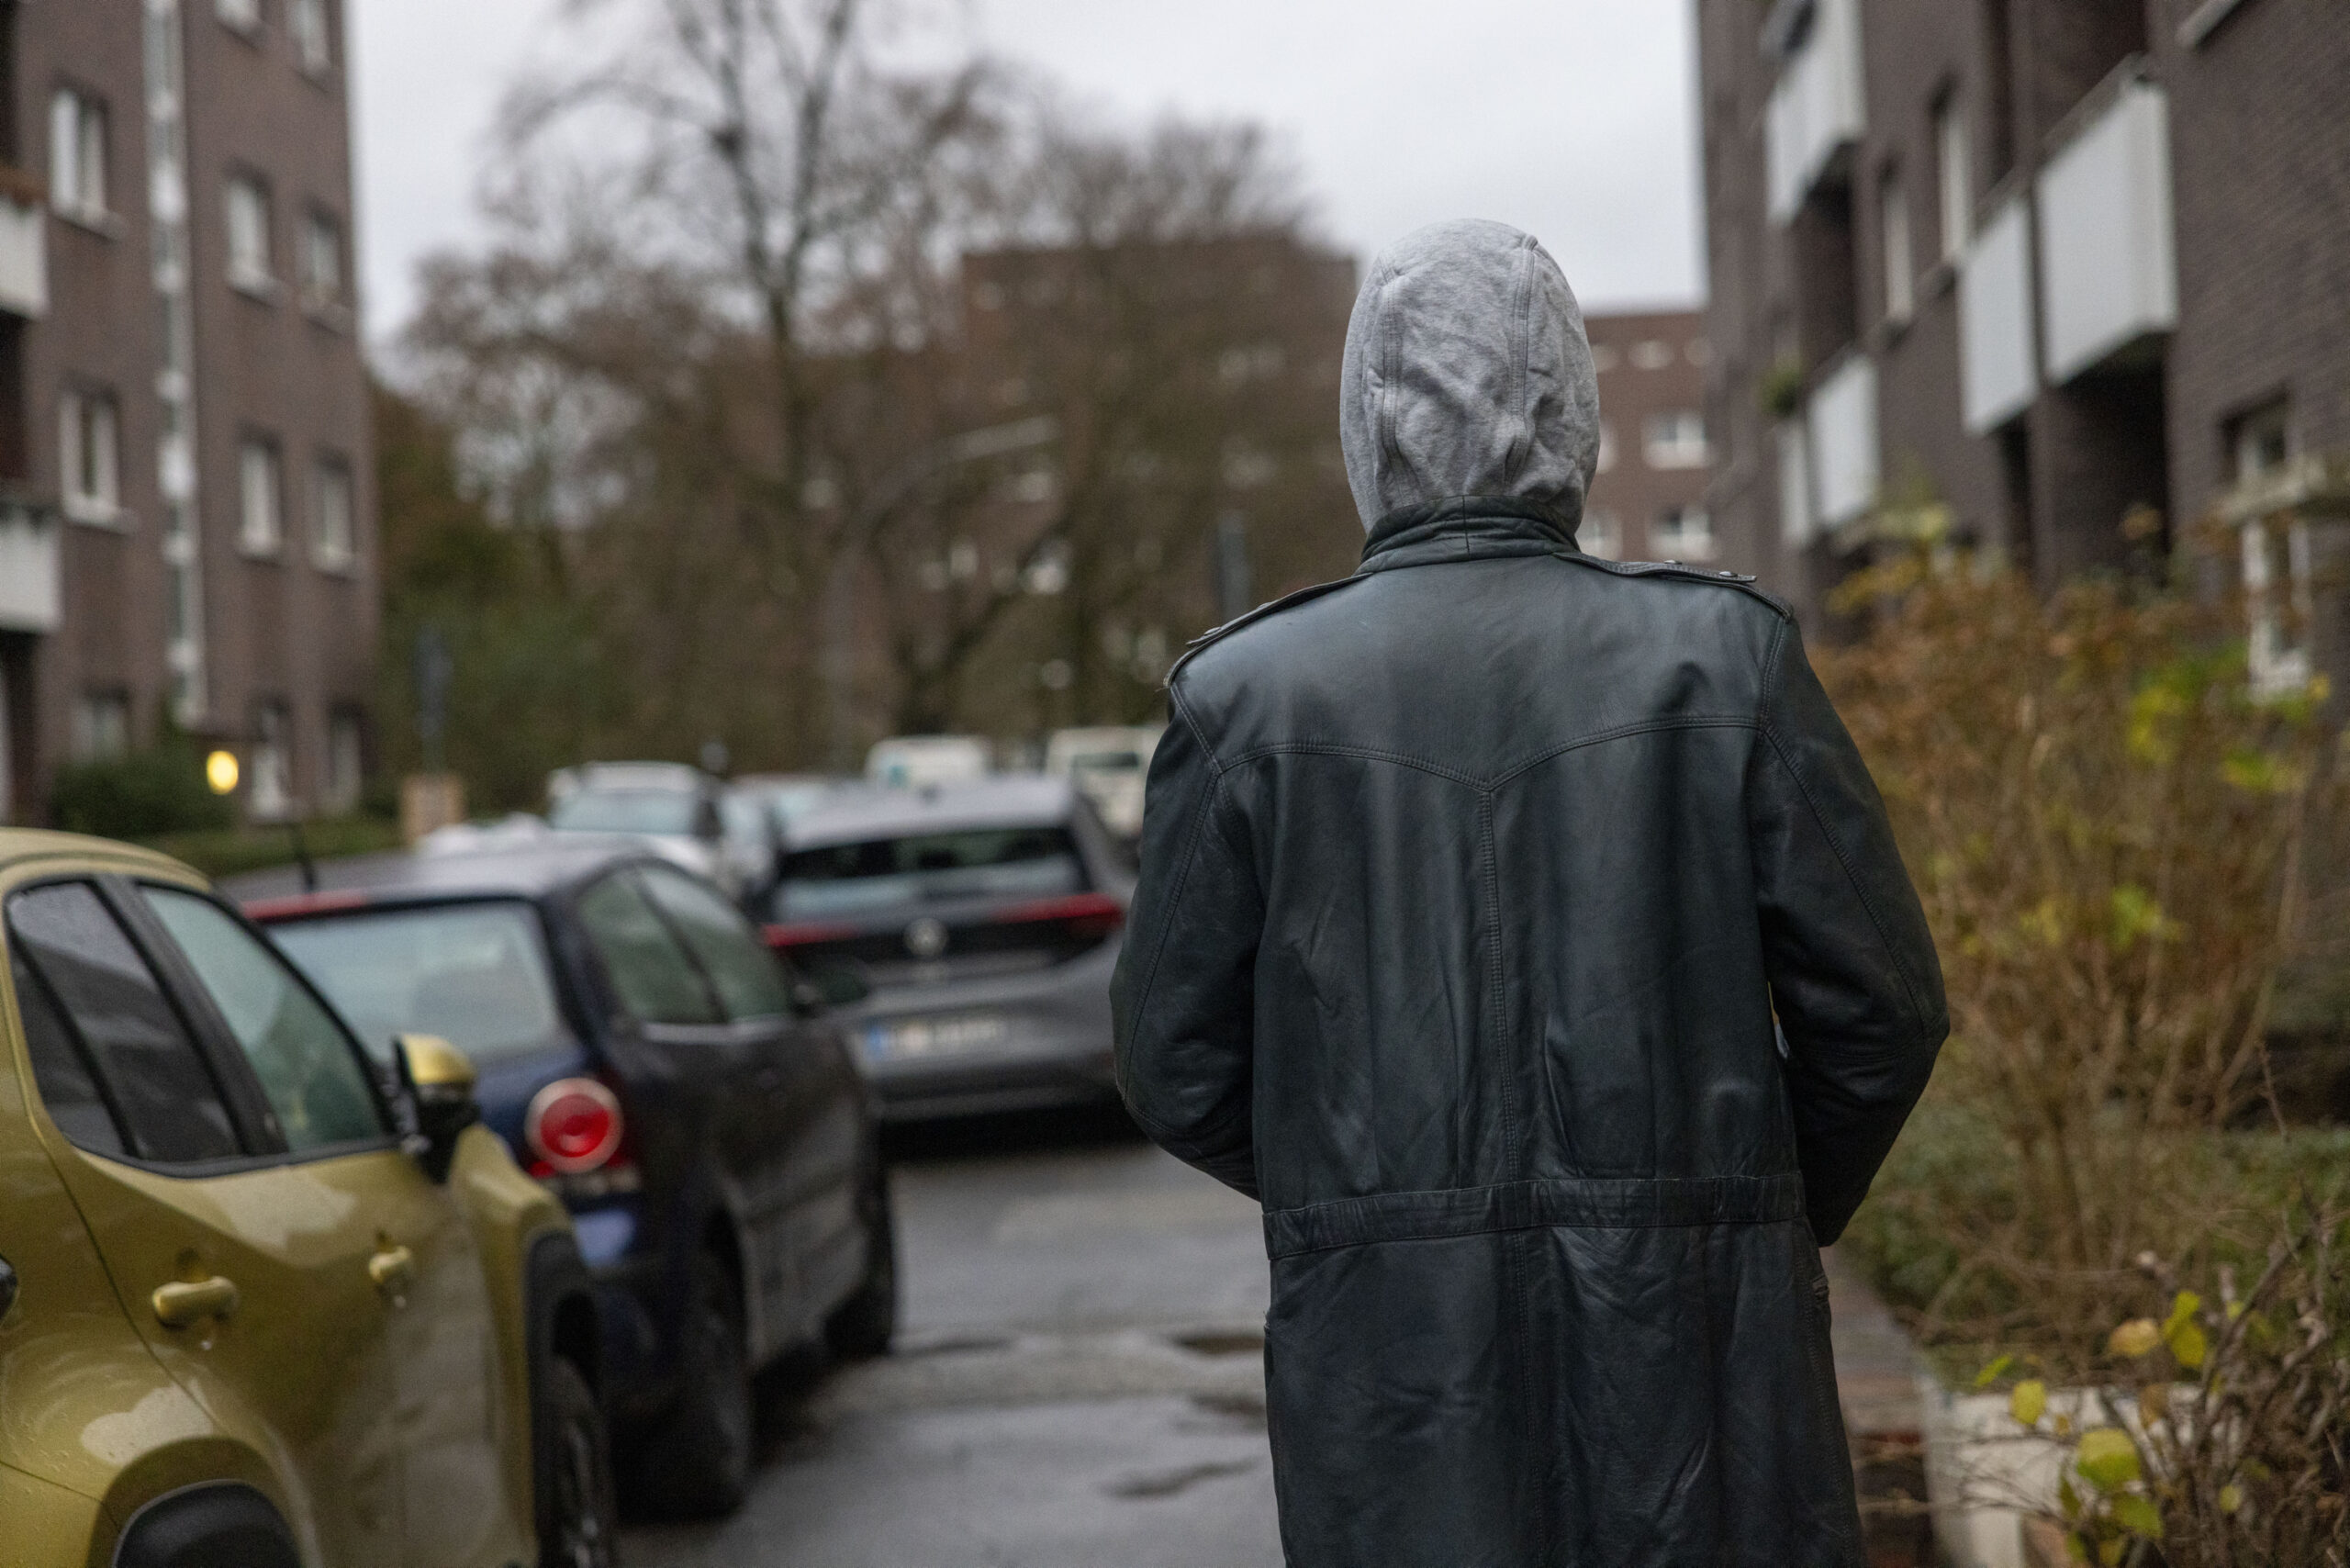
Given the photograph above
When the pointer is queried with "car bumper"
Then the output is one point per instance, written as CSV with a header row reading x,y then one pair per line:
x,y
1010,1042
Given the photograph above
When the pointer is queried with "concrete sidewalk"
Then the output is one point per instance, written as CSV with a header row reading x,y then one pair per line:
x,y
1876,1375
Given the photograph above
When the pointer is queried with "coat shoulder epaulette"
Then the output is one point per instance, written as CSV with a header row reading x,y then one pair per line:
x,y
1683,571
1205,640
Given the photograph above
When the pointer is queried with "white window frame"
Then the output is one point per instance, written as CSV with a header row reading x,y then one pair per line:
x,y
102,726
269,796
89,455
1602,534
334,547
1684,533
1675,439
245,208
2277,562
260,497
242,16
1900,256
1954,176
311,28
77,157
346,762
321,260
1606,447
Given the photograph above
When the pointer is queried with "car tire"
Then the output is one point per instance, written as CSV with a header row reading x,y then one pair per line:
x,y
696,1461
862,1327
210,1524
579,1518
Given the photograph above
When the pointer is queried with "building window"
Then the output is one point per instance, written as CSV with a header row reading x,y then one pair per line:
x,y
2278,566
1606,447
89,432
102,727
1675,440
1956,175
1900,264
1652,353
305,21
243,15
1601,534
322,259
261,498
1683,534
249,258
77,156
270,795
346,759
1604,358
332,541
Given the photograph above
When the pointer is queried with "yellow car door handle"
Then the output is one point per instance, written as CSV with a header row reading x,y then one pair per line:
x,y
392,1268
180,1303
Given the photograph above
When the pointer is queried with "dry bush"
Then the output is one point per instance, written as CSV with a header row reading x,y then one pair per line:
x,y
2108,833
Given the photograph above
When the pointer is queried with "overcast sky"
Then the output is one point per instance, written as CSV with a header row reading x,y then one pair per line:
x,y
1571,118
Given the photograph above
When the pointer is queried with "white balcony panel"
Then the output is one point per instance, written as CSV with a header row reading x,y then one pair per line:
x,y
2107,255
31,598
1816,105
1796,522
24,258
1998,376
1844,464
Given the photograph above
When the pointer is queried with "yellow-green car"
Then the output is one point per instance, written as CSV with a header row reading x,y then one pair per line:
x,y
257,1307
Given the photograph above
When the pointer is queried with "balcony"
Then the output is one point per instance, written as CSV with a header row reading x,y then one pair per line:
x,y
1844,465
24,244
31,599
2108,262
1999,372
1817,108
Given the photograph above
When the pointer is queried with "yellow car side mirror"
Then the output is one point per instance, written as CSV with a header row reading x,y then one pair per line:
x,y
438,1082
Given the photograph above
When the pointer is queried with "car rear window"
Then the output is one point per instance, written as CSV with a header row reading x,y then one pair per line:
x,y
475,974
627,811
876,874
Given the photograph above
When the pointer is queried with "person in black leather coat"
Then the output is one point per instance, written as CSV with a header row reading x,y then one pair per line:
x,y
1473,888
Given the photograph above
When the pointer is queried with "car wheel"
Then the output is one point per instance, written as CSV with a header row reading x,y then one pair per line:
x,y
578,1517
697,1461
862,1327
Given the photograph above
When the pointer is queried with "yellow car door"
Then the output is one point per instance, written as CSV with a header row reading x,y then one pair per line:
x,y
244,1245
446,1412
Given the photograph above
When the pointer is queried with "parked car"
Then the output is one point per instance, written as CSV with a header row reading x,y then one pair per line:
x,y
647,1056
757,809
1110,762
912,762
680,812
984,917
258,1304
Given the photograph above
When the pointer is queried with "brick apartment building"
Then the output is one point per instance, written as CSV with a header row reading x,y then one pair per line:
x,y
2065,276
185,496
1648,501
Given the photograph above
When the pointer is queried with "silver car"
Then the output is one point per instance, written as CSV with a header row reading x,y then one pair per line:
x,y
985,918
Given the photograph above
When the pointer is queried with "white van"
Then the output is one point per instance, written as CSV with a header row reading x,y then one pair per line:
x,y
1109,762
913,761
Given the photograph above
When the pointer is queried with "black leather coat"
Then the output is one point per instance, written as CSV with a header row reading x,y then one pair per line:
x,y
1470,886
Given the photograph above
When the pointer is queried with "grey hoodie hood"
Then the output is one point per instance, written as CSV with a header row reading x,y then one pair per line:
x,y
1467,375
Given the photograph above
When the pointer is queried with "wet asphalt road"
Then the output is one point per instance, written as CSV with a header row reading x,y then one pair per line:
x,y
1078,1382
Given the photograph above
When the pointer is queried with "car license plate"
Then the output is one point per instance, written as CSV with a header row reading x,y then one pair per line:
x,y
949,1036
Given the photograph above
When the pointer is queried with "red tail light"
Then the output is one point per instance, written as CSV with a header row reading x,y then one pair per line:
x,y
1087,916
784,937
573,1125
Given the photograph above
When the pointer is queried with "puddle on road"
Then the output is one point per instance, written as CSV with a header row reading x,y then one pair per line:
x,y
1243,1409
951,1345
1220,1342
1168,1482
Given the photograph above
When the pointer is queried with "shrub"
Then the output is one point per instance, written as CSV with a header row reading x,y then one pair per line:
x,y
2108,832
149,792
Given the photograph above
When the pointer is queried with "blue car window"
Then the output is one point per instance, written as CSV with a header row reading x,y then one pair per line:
x,y
654,980
749,980
475,973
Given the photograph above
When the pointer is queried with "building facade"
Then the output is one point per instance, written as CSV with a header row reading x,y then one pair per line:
x,y
185,472
2068,278
1648,501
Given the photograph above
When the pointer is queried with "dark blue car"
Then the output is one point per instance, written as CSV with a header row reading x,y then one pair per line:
x,y
645,1055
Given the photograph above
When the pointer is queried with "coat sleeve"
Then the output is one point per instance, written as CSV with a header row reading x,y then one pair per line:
x,y
1184,996
1851,967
